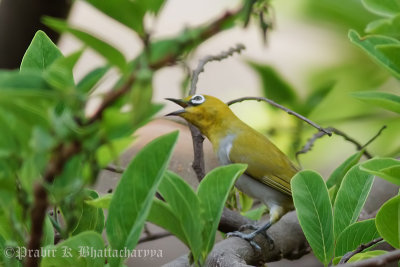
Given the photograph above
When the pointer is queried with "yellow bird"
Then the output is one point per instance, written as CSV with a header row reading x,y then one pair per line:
x,y
269,170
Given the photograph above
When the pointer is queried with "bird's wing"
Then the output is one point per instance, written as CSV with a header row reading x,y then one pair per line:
x,y
266,163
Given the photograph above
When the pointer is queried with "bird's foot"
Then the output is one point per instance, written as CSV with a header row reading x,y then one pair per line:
x,y
250,236
247,227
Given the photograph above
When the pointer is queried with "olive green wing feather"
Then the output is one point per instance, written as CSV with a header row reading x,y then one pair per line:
x,y
266,163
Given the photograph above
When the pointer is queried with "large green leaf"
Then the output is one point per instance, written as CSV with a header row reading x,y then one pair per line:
x,y
162,215
129,13
314,211
383,7
133,196
386,168
350,198
212,193
388,221
385,100
374,46
354,235
40,53
274,86
75,251
110,53
186,207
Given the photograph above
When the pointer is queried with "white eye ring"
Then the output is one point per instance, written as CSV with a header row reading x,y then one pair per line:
x,y
197,99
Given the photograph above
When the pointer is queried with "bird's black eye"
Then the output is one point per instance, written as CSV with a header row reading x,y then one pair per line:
x,y
197,100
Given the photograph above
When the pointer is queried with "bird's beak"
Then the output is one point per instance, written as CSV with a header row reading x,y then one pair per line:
x,y
181,103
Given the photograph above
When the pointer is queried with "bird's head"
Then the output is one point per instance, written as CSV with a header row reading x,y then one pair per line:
x,y
203,111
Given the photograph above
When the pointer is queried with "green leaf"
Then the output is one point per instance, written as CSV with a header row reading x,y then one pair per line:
x,y
213,192
350,198
131,201
92,218
129,13
314,211
75,251
162,215
255,214
385,8
246,202
366,255
186,207
59,74
337,175
354,235
102,202
388,221
391,51
386,168
111,54
110,151
91,79
16,80
48,232
373,44
384,100
274,86
388,27
40,53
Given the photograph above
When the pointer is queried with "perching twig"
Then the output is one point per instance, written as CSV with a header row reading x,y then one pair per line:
x,y
359,249
376,136
197,137
291,112
205,60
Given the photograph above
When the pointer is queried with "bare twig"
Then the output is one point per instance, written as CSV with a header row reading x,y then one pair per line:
x,y
291,112
308,146
197,137
113,168
152,237
376,136
382,260
359,249
200,67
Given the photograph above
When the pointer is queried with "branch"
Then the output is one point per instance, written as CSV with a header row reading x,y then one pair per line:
x,y
359,249
308,146
289,243
200,67
56,165
381,260
197,137
291,112
152,237
113,168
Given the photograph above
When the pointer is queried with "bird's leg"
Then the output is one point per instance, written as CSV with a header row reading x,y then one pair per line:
x,y
276,213
250,236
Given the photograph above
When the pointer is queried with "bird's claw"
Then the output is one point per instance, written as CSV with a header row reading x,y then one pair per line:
x,y
248,237
247,227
